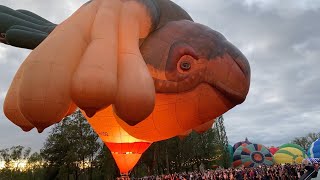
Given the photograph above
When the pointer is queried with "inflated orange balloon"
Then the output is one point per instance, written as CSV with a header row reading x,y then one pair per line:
x,y
125,149
11,108
44,92
108,52
198,76
175,114
78,62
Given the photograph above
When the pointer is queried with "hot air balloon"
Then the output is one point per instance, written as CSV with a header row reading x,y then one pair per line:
x,y
252,155
186,92
197,73
125,149
273,149
238,144
230,151
292,145
314,149
289,153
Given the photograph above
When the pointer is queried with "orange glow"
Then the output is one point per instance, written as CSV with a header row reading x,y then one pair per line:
x,y
125,149
126,162
175,114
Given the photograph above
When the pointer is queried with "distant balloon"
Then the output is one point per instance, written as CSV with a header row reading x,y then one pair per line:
x,y
252,155
238,144
125,149
314,149
292,145
273,149
289,153
230,151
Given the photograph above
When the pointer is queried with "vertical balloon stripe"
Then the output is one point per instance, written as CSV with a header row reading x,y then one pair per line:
x,y
259,147
237,163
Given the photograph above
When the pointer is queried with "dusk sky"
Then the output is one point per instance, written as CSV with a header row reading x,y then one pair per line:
x,y
281,40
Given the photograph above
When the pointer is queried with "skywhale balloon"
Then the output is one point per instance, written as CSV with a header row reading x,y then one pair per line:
x,y
162,73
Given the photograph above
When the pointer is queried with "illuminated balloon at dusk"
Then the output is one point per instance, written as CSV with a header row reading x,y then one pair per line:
x,y
200,77
125,149
162,73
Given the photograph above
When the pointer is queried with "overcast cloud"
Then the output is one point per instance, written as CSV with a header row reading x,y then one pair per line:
x,y
281,40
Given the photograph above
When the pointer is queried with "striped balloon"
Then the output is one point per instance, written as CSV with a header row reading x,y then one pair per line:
x,y
252,155
314,149
230,151
289,154
292,145
238,144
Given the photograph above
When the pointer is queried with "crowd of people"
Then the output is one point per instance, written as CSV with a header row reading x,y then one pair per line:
x,y
275,172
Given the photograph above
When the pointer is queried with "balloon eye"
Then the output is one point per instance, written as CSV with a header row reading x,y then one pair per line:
x,y
185,66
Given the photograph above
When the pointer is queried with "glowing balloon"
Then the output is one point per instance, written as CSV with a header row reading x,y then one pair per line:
x,y
314,149
125,149
197,79
115,50
252,155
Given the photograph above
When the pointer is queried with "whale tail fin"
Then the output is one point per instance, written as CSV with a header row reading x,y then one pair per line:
x,y
22,28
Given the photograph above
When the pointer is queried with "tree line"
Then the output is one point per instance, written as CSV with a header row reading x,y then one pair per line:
x,y
73,151
306,141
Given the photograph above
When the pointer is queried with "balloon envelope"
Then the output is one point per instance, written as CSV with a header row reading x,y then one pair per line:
x,y
238,144
273,149
175,114
252,155
230,151
125,149
289,153
292,145
314,149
